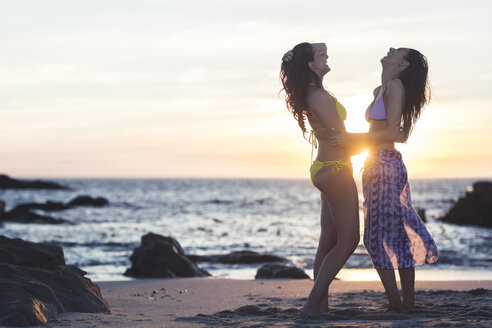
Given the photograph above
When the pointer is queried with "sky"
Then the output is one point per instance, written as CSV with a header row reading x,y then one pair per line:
x,y
190,89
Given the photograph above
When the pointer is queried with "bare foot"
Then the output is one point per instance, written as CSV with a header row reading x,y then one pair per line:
x,y
323,306
392,310
408,309
310,312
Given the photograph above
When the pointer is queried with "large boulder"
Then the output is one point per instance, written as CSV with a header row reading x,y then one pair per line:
x,y
36,285
238,257
26,254
161,257
473,209
8,183
279,270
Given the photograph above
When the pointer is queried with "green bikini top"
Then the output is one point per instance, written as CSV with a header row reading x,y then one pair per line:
x,y
342,112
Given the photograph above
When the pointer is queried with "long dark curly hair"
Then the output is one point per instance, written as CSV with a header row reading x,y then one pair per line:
x,y
296,75
417,90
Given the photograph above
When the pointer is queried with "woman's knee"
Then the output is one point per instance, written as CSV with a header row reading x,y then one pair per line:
x,y
327,243
350,241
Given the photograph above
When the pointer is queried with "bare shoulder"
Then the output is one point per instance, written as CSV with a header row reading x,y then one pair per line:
x,y
396,89
396,85
318,94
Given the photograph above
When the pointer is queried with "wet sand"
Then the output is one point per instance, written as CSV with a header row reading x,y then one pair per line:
x,y
212,302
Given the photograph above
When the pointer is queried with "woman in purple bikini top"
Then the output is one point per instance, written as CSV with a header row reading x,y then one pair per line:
x,y
397,104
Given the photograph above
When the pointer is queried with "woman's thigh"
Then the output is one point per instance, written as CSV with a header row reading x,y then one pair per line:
x,y
340,193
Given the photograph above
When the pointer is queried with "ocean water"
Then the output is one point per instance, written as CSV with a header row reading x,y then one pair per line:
x,y
216,216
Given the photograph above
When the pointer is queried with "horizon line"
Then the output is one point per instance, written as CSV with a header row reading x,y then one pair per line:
x,y
213,178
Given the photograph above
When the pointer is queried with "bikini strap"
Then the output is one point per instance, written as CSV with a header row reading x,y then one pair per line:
x,y
314,143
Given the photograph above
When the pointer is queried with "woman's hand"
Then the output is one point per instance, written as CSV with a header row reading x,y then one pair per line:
x,y
338,138
401,137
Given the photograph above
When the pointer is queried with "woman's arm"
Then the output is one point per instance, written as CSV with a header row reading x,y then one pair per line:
x,y
396,101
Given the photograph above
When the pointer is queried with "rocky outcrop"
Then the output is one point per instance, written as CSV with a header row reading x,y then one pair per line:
x,y
23,212
161,257
36,285
88,201
238,257
26,216
8,183
279,270
50,206
473,209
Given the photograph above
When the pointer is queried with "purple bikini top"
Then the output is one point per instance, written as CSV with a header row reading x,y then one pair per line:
x,y
377,111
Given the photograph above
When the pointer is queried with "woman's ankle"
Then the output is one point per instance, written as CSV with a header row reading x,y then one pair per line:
x,y
407,307
395,306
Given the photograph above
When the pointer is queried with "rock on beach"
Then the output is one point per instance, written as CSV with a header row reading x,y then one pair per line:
x,y
475,208
279,270
37,285
161,257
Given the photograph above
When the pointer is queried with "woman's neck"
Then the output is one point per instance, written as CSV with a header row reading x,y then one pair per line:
x,y
315,84
388,75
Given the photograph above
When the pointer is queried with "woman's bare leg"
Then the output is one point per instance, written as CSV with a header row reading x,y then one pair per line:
x,y
327,240
389,282
328,235
341,194
407,278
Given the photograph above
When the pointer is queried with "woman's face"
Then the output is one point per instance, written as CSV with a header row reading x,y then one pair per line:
x,y
319,64
395,56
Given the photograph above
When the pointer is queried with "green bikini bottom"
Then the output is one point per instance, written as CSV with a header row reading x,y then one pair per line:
x,y
318,165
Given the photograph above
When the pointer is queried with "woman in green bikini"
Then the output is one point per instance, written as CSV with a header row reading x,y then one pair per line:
x,y
302,72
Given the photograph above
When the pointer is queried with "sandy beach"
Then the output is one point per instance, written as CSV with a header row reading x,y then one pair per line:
x,y
207,302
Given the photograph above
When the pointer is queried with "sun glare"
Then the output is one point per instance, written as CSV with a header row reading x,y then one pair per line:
x,y
356,108
356,122
358,162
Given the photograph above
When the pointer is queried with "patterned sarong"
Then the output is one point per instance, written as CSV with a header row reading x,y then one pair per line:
x,y
394,235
